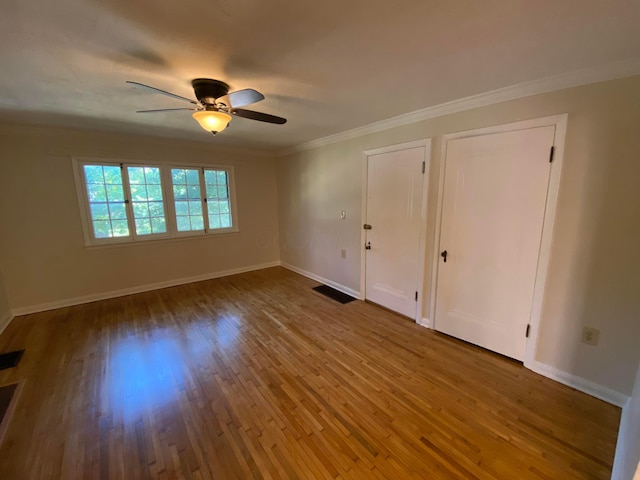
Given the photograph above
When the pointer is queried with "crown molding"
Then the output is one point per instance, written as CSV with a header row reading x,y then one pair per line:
x,y
611,71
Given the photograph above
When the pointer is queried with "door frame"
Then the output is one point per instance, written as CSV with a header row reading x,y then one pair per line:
x,y
544,254
422,248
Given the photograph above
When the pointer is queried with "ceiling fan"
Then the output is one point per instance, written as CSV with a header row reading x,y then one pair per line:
x,y
212,114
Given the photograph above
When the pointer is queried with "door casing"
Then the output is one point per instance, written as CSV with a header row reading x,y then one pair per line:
x,y
560,123
422,250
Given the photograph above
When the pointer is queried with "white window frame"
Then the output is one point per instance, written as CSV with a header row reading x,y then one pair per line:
x,y
168,200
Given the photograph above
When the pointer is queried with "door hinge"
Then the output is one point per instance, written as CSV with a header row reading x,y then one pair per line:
x,y
553,149
416,296
423,166
528,330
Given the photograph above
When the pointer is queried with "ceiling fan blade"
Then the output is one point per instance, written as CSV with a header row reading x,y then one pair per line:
x,y
262,117
240,98
165,110
163,92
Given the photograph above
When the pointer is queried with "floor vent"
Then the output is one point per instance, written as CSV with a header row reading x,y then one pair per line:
x,y
334,294
11,359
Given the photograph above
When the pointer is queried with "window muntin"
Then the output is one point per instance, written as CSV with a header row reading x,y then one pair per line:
x,y
218,199
145,185
187,199
130,202
107,207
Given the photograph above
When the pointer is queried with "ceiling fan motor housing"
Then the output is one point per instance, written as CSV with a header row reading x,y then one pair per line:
x,y
208,90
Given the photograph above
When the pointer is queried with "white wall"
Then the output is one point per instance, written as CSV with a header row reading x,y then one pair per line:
x,y
42,250
594,277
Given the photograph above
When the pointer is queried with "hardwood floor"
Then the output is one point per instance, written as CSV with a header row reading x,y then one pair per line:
x,y
257,376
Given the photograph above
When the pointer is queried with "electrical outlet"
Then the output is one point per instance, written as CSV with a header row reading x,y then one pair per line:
x,y
590,336
343,253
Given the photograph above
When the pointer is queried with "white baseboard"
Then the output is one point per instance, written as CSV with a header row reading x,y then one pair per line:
x,y
586,386
424,322
326,281
142,288
5,320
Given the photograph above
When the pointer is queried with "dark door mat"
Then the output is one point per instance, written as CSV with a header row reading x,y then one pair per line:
x,y
6,394
11,359
334,294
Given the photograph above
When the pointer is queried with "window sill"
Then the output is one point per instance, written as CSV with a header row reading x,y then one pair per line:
x,y
153,241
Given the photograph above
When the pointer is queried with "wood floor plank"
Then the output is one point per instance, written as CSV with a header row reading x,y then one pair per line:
x,y
257,376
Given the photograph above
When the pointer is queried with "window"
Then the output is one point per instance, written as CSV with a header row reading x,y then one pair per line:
x,y
146,197
105,192
219,209
187,199
133,202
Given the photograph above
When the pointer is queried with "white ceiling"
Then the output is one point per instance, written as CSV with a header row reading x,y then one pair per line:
x,y
326,66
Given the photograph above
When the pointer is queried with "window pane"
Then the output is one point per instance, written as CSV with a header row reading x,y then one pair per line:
x,y
140,210
212,205
152,175
158,225
218,203
138,192
178,176
102,229
210,177
192,177
106,200
112,175
96,193
93,174
156,209
118,211
186,185
99,211
115,193
184,225
197,223
154,192
195,208
143,226
193,191
214,221
120,228
182,208
179,192
136,175
146,196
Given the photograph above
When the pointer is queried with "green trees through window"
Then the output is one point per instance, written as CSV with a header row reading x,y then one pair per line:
x,y
106,201
146,197
187,199
127,202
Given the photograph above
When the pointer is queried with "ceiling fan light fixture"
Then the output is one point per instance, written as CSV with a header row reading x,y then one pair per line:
x,y
212,120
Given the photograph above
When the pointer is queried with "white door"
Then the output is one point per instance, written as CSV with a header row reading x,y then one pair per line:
x,y
493,209
394,208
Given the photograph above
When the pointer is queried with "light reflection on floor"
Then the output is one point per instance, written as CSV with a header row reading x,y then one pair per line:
x,y
146,370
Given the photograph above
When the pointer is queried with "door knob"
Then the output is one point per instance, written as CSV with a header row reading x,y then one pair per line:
x,y
367,246
444,255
